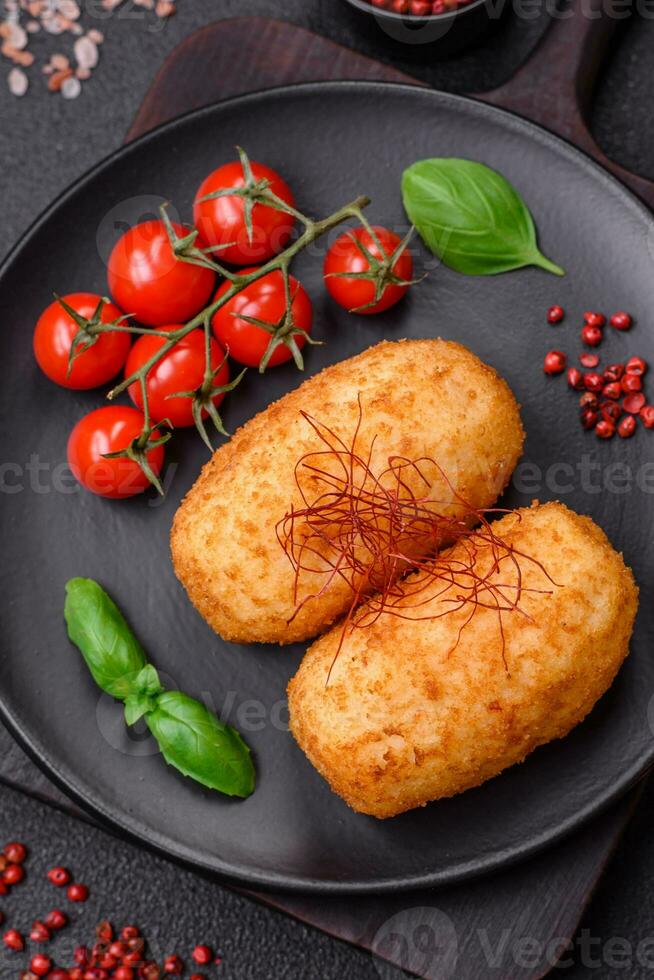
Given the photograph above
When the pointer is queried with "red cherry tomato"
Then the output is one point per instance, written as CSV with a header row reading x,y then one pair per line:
x,y
344,256
181,369
54,335
107,430
264,299
221,220
148,281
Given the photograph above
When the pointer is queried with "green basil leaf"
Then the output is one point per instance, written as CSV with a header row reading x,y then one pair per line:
x,y
194,741
471,217
137,705
95,625
147,682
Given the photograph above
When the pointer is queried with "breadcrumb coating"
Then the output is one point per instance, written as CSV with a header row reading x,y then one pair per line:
x,y
417,397
411,715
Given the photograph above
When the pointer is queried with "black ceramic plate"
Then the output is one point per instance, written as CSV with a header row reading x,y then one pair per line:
x,y
332,142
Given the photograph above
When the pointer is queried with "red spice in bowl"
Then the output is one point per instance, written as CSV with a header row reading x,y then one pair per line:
x,y
419,8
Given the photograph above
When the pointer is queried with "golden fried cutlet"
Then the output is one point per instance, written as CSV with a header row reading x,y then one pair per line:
x,y
411,715
416,398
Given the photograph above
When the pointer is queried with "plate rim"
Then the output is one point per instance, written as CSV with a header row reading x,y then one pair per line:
x,y
118,819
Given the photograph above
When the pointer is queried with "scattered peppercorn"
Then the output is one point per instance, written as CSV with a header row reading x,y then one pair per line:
x,y
604,429
610,411
575,378
58,877
589,418
174,965
614,372
637,366
13,940
589,360
56,919
555,314
594,319
621,321
588,400
646,416
555,362
40,933
634,402
627,426
202,954
612,390
592,335
41,965
594,382
629,382
77,893
15,853
13,874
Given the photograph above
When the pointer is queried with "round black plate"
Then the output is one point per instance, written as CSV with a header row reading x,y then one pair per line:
x,y
332,142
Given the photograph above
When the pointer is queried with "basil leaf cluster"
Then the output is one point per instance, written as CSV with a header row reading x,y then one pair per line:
x,y
471,217
191,738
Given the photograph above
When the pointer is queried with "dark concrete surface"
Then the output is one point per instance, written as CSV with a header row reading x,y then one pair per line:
x,y
45,143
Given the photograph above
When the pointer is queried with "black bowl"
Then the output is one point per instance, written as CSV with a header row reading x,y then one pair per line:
x,y
435,36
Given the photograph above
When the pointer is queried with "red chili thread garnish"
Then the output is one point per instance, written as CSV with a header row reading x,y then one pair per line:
x,y
370,530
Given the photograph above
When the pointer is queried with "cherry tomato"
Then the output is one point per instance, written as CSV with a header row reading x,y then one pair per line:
x,y
344,256
148,281
221,220
54,335
107,430
264,299
181,369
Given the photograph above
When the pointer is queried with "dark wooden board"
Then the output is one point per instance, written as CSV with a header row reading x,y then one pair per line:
x,y
544,897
